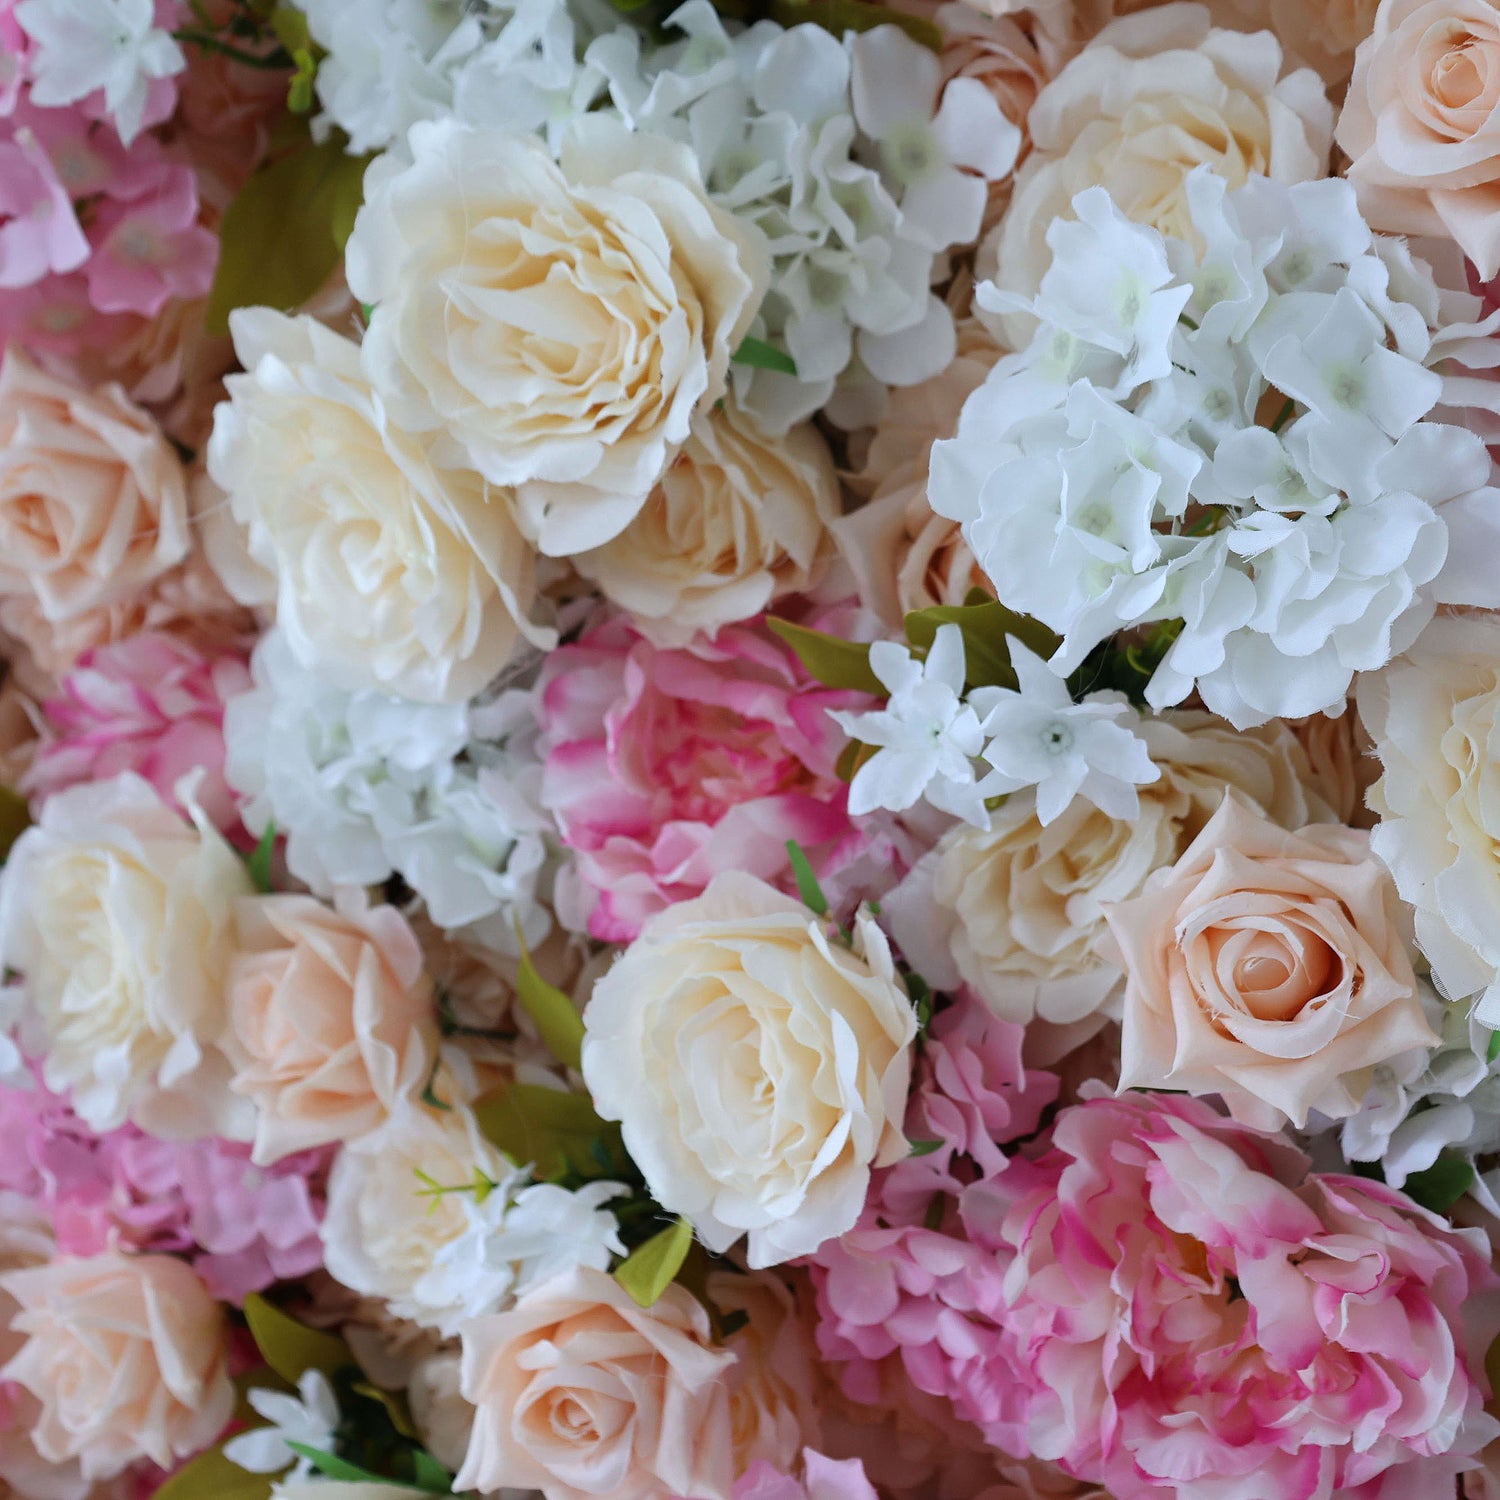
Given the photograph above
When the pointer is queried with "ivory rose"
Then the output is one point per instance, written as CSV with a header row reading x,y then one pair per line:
x,y
558,323
1018,912
127,1356
330,1020
1421,124
116,911
1268,967
758,1067
1151,97
1434,715
580,1392
387,571
93,501
738,519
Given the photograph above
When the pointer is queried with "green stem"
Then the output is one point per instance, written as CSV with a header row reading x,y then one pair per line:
x,y
276,61
1283,415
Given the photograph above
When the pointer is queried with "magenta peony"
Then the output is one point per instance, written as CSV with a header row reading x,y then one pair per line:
x,y
665,768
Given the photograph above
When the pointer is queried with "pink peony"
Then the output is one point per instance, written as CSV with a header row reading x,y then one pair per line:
x,y
152,704
1184,1309
666,768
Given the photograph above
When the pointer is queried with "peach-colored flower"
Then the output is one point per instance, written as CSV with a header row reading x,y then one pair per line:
x,y
1268,967
330,1018
93,501
1421,123
579,1392
127,1356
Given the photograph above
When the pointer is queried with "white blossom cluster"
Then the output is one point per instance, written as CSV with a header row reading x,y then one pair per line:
x,y
1257,434
364,786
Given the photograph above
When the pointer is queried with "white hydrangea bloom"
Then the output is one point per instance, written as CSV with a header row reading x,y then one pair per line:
x,y
80,47
364,786
855,161
1274,438
928,737
310,1418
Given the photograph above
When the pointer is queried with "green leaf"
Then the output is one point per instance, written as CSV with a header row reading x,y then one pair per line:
x,y
921,999
338,1468
258,861
1494,1047
839,16
15,819
292,1348
211,1476
650,1268
1442,1184
557,1019
430,1474
764,356
807,883
290,27
558,1133
283,234
299,92
985,629
924,1148
835,663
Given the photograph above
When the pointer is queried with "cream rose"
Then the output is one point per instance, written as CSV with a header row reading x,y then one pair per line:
x,y
1018,912
93,501
127,1356
390,573
758,1068
117,913
1151,97
1268,967
560,323
579,1392
1434,715
330,1018
738,519
439,1412
380,1237
1421,123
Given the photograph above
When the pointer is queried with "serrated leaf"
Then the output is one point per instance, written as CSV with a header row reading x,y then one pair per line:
x,y
839,16
764,356
557,1133
211,1476
292,1348
985,628
808,888
15,819
834,662
650,1268
258,861
284,232
557,1020
1441,1185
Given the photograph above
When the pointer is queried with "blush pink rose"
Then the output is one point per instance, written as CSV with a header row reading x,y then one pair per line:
x,y
579,1392
1189,1311
152,704
127,1356
331,1020
1269,967
665,768
1421,123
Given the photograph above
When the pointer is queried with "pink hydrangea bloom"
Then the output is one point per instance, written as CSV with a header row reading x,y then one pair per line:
x,y
152,704
822,1478
1188,1311
39,232
665,768
243,1227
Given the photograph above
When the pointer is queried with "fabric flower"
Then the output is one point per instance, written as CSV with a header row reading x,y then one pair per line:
x,y
39,231
578,1391
821,1478
310,1418
818,1039
926,737
665,768
649,283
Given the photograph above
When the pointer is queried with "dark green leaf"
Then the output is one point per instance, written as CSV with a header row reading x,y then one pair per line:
x,y
924,1148
834,662
650,1268
557,1020
807,883
258,861
557,1133
985,628
764,356
1442,1184
337,1468
430,1474
839,16
292,1348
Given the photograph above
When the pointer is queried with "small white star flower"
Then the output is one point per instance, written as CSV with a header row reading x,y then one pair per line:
x,y
309,1418
1039,737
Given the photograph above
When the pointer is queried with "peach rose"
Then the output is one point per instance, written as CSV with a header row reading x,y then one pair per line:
x,y
1421,124
1268,967
127,1355
330,1018
93,501
579,1392
738,519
